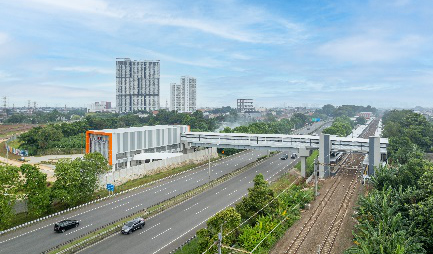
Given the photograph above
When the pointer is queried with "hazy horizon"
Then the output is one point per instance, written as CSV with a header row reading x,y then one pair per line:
x,y
278,53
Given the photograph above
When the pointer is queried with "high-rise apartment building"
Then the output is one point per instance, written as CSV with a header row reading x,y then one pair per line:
x,y
184,95
137,85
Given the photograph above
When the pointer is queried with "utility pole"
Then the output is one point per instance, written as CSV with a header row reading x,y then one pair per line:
x,y
315,177
7,152
220,239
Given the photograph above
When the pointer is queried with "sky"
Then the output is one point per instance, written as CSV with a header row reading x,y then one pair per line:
x,y
279,53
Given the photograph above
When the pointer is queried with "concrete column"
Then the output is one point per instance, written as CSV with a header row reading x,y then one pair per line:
x,y
373,154
324,154
304,167
303,154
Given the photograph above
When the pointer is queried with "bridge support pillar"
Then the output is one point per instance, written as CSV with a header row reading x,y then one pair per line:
x,y
373,154
324,154
303,154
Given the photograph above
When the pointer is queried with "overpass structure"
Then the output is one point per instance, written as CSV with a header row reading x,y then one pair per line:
x,y
375,147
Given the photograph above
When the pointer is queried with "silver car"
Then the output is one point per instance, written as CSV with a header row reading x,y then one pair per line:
x,y
133,225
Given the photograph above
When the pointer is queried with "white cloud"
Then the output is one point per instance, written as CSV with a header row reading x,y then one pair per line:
x,y
85,69
250,25
4,38
371,48
7,77
203,62
99,7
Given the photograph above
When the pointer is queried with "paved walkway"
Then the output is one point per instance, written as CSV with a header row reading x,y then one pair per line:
x,y
43,168
39,159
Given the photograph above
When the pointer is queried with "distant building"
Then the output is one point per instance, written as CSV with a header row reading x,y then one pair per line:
x,y
366,115
183,96
245,105
137,85
103,106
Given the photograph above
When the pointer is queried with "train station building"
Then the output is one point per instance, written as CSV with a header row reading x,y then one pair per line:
x,y
121,146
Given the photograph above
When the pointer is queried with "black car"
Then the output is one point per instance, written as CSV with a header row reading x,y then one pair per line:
x,y
294,156
64,225
284,157
133,225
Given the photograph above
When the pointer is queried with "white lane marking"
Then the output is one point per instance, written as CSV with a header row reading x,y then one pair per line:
x,y
168,193
202,210
119,205
190,207
149,228
160,190
161,233
214,165
232,192
133,207
79,229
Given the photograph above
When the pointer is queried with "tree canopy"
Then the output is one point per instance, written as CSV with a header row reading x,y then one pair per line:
x,y
76,180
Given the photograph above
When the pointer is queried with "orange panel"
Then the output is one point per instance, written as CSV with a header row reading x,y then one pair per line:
x,y
110,143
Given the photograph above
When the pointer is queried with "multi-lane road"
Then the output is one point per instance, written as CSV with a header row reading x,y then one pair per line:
x,y
40,236
167,230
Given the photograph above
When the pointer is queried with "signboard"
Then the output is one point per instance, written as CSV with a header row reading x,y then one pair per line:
x,y
315,119
110,187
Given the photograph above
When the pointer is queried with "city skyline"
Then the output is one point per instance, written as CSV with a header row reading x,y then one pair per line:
x,y
277,53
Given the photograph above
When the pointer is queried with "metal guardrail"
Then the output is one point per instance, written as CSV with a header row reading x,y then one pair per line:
x,y
101,199
154,210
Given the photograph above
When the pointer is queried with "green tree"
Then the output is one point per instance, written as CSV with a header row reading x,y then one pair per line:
x,y
251,236
361,120
76,180
382,228
36,189
227,220
258,197
342,126
10,185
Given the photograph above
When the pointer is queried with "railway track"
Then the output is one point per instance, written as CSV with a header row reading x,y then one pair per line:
x,y
334,229
348,173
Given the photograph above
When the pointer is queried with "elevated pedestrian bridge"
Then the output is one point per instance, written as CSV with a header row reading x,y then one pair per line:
x,y
375,147
277,142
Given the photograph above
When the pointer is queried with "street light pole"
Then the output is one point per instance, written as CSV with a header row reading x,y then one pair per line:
x,y
209,162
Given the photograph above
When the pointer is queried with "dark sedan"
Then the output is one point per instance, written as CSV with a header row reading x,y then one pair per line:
x,y
133,225
64,225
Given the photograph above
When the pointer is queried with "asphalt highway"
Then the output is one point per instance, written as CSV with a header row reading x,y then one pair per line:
x,y
41,236
166,231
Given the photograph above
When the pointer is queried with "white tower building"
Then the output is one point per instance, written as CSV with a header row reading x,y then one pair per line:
x,y
184,95
137,85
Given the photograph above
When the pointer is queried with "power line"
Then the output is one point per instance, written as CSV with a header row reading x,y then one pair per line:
x,y
240,225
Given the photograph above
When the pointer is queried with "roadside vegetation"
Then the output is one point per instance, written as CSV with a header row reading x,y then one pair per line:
x,y
265,214
396,214
344,110
284,126
40,117
342,127
76,182
59,198
69,138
